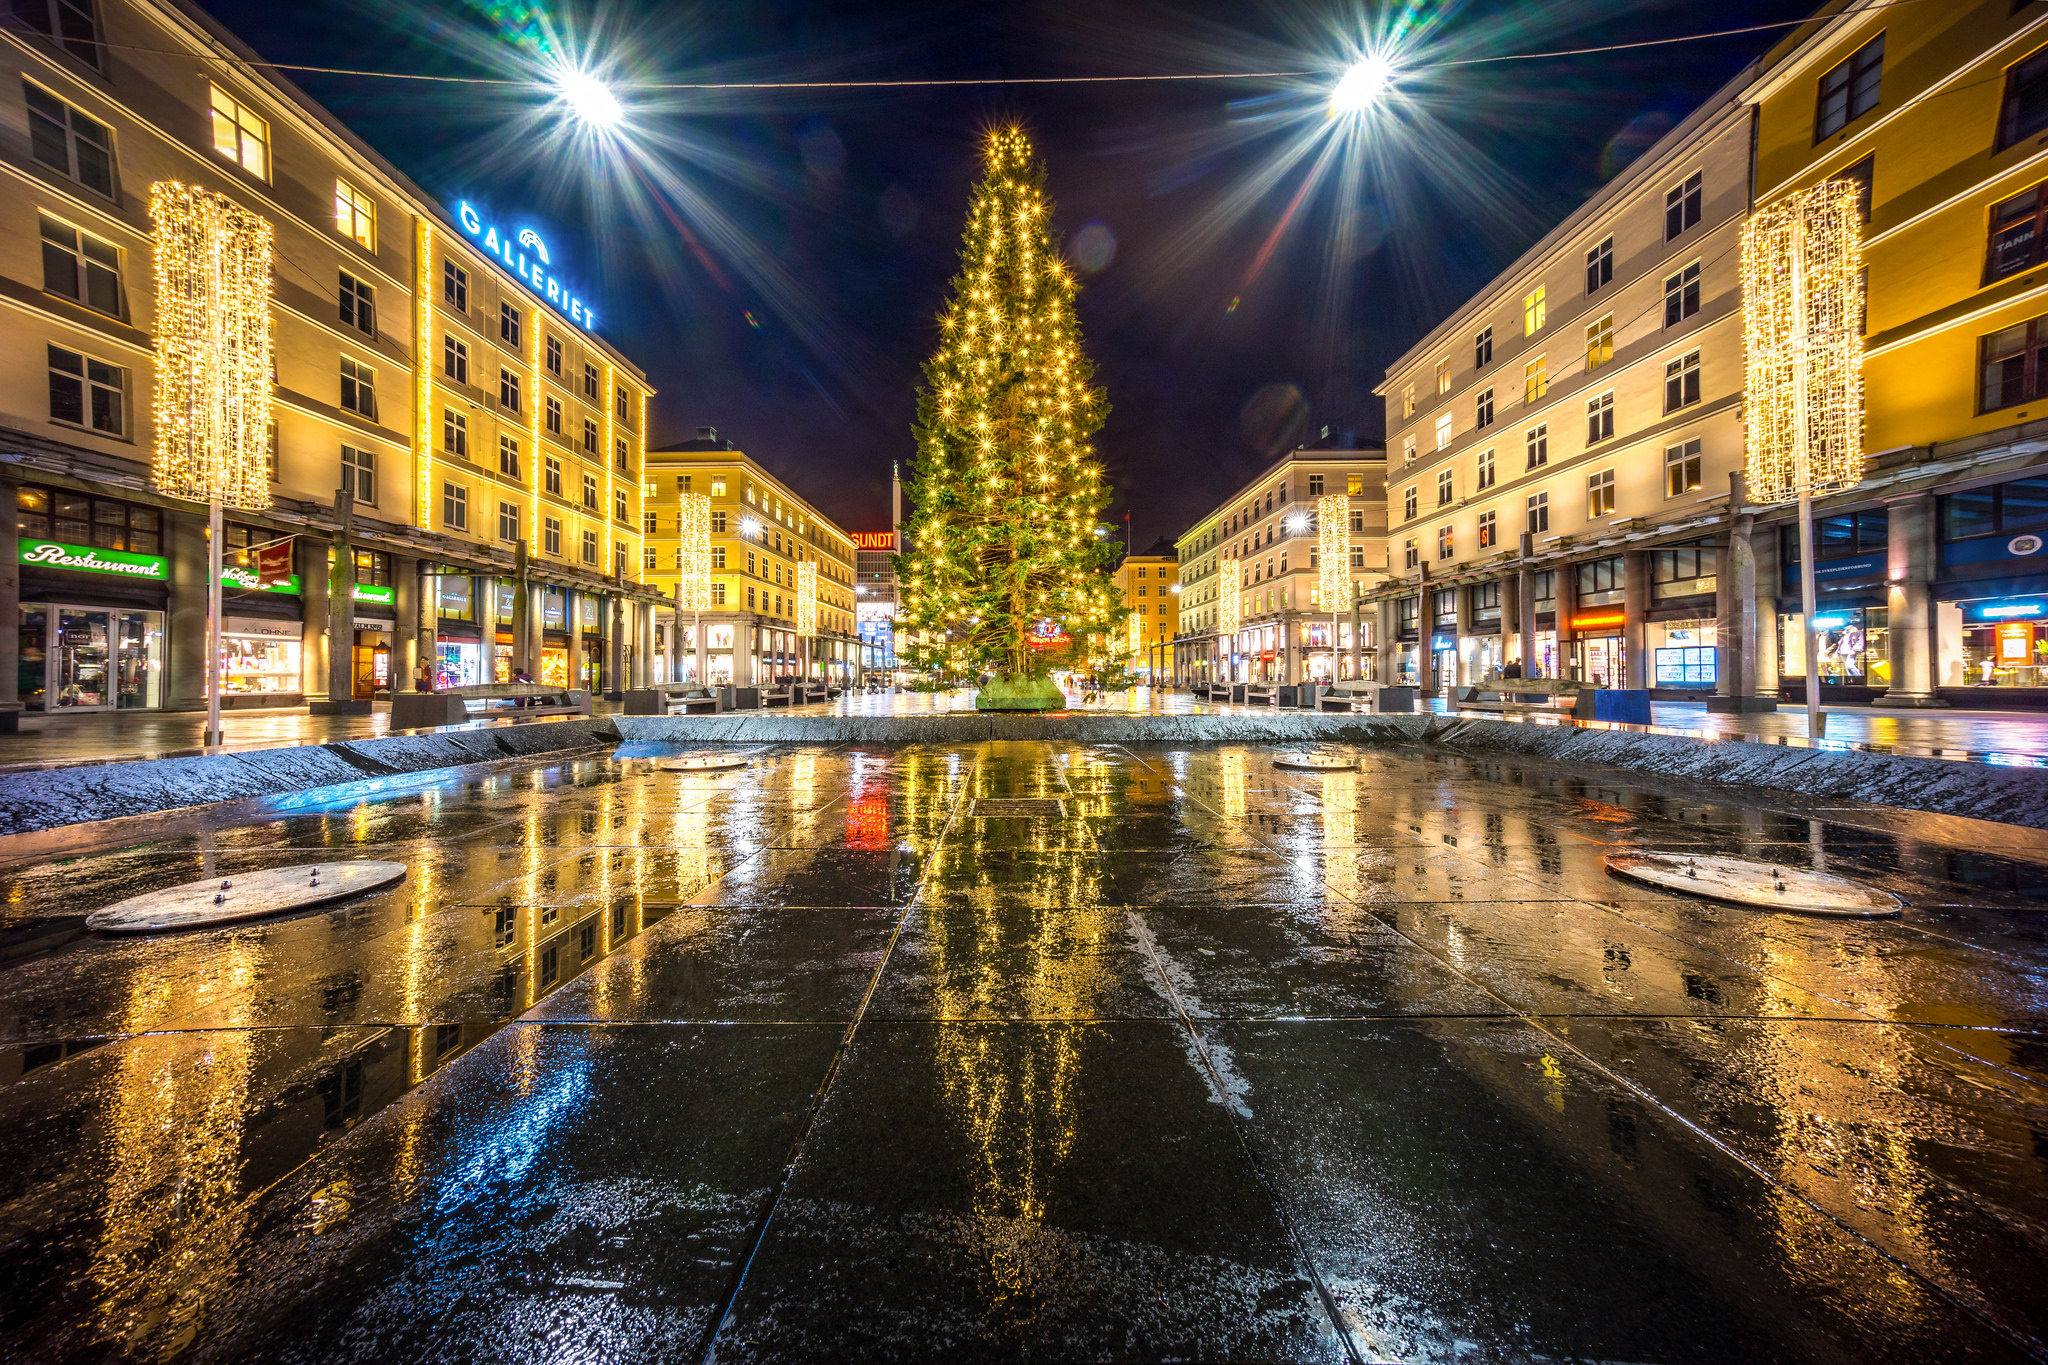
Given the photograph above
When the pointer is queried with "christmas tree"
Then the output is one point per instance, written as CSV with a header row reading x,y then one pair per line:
x,y
1001,555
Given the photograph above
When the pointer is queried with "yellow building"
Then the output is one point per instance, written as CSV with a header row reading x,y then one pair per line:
x,y
762,535
1150,583
1933,573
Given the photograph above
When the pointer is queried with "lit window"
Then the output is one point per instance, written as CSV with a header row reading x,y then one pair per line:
x,y
1443,376
355,215
1443,431
1600,418
454,506
1444,549
70,141
239,135
82,267
1600,342
1408,450
1682,468
1408,401
1534,313
1682,381
87,392
1535,379
1600,494
1354,484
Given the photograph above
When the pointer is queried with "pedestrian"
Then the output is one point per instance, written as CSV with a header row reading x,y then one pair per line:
x,y
423,679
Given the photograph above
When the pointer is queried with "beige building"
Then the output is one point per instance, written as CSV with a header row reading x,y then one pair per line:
x,y
456,448
1261,547
762,533
1150,584
1559,449
1198,551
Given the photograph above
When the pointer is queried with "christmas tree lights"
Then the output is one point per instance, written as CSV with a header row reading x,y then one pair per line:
x,y
693,531
1005,489
213,349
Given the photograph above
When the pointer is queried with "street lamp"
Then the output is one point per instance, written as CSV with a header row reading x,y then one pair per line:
x,y
588,98
1362,85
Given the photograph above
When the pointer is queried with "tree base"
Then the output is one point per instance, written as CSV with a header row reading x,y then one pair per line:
x,y
1014,693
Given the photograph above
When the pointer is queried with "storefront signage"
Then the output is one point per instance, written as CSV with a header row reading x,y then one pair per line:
x,y
248,580
2023,545
260,627
1598,620
1441,642
1858,569
874,540
2015,643
50,554
370,592
535,268
274,563
2015,609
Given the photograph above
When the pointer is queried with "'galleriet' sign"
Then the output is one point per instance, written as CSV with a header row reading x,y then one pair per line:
x,y
536,269
50,554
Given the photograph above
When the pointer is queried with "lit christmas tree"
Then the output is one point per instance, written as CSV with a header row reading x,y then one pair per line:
x,y
1001,556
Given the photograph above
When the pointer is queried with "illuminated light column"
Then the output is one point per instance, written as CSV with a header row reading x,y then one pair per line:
x,y
806,609
1227,618
1802,331
423,388
1137,624
213,372
1333,559
693,566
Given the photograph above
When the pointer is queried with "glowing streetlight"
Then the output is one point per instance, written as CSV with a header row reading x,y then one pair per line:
x,y
1297,523
1362,85
588,98
749,528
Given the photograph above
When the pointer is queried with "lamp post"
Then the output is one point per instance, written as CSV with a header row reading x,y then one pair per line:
x,y
1802,277
212,261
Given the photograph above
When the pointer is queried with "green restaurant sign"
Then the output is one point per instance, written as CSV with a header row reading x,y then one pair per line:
x,y
369,592
50,554
245,578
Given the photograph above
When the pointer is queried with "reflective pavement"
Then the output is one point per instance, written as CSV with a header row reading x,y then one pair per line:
x,y
878,1053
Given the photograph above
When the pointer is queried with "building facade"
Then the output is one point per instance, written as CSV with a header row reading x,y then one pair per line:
x,y
762,537
1199,550
1150,584
1265,554
443,407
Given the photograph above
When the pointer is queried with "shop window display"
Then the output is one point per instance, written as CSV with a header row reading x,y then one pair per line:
x,y
259,655
1854,648
80,658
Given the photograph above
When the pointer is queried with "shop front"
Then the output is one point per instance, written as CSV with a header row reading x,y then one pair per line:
x,y
76,657
374,636
2003,642
1852,644
260,658
1599,648
1684,655
93,585
458,638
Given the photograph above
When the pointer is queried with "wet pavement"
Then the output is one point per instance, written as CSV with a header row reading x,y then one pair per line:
x,y
1028,1051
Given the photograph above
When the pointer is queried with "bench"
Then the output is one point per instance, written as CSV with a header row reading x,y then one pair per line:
x,y
1368,698
671,699
1262,694
454,705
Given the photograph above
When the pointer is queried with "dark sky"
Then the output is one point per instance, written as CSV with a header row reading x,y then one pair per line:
x,y
775,259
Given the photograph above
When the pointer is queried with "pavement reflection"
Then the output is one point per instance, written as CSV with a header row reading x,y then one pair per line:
x,y
1029,1049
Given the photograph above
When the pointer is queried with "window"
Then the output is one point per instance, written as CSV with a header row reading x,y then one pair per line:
x,y
1682,381
239,135
554,407
2003,509
1443,376
590,547
1535,379
1533,313
1357,522
508,522
1408,450
454,506
359,474
1685,571
651,560
81,266
87,392
75,519
1482,414
1539,513
1600,418
1600,494
622,407
590,435
355,215
1600,342
455,286
590,491
508,390
650,523
1848,91
2017,228
1488,531
1443,431
1444,548
1536,443
455,433
1862,175
2025,111
718,523
718,594
508,324
750,563
69,141
1408,504
1682,468
554,475
551,535
1482,349
620,510
590,381
1682,295
1681,207
1408,401
2012,365
1410,555
1358,556
1443,488
1315,490
454,359
66,22
554,357
358,389
1600,265
508,456
1485,479
358,305
717,556
622,455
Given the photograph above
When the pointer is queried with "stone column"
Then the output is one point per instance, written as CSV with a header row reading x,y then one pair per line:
x,y
1738,622
1911,561
1567,599
1463,669
573,624
1384,637
615,647
427,624
341,623
523,657
643,659
10,608
1635,605
1513,589
185,647
533,593
405,611
316,622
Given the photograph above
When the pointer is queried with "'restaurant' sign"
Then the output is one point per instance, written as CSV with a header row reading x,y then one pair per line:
x,y
50,554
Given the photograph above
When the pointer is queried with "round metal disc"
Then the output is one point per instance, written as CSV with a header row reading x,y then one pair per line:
x,y
1759,885
718,763
244,896
1317,763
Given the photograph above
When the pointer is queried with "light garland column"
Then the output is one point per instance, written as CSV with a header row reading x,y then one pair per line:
x,y
1802,325
1333,559
806,609
423,388
212,267
1228,612
693,567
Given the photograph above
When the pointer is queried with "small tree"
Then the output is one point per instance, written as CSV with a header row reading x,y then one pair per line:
x,y
1005,491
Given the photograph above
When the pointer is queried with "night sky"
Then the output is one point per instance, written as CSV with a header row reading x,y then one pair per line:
x,y
775,259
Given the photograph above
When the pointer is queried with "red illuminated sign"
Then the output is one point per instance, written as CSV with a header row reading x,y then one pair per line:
x,y
1048,635
874,540
1594,620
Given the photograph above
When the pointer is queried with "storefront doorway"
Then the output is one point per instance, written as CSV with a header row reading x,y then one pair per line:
x,y
78,658
1600,661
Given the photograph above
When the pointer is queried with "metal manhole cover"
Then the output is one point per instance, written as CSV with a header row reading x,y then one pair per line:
x,y
244,896
1759,885
997,808
710,763
1318,763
